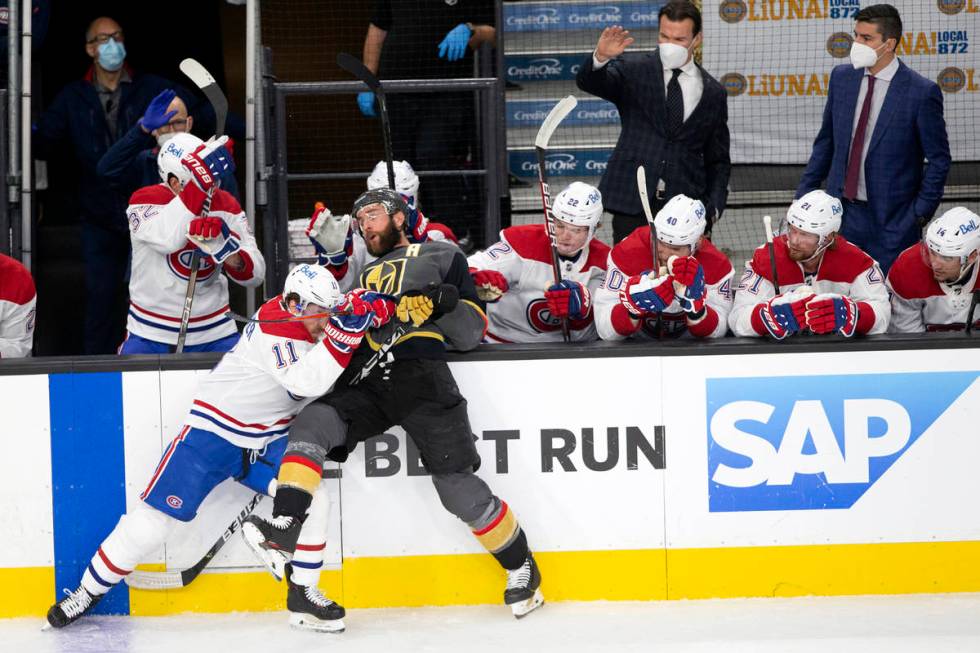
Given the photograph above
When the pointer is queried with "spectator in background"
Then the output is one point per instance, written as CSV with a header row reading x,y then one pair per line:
x,y
89,115
882,148
674,116
18,302
432,39
131,163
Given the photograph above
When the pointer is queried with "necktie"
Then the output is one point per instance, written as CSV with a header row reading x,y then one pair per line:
x,y
675,103
857,145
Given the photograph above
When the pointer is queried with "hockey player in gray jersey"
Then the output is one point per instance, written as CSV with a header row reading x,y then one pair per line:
x,y
410,386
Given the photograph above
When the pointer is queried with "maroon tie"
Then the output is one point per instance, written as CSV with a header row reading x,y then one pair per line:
x,y
857,145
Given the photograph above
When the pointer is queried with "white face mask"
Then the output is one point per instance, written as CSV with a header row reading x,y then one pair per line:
x,y
163,138
863,56
673,56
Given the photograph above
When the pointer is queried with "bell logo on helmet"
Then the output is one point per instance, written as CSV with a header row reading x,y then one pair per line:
x,y
967,228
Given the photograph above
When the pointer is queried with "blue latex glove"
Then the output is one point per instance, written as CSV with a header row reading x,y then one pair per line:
x,y
365,102
156,115
453,47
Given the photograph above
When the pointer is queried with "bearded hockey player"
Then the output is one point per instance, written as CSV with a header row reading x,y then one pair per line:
x,y
932,282
411,385
166,226
236,428
690,296
516,277
420,228
827,284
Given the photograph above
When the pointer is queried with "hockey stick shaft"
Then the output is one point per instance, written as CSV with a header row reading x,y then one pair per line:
x,y
372,362
161,580
767,221
185,315
641,187
356,67
541,141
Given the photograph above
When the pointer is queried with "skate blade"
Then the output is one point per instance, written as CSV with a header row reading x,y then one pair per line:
x,y
274,561
302,621
47,626
523,608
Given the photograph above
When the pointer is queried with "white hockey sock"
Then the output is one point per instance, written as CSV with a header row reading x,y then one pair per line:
x,y
308,558
137,534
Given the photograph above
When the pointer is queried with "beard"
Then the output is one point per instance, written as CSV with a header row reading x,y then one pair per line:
x,y
386,241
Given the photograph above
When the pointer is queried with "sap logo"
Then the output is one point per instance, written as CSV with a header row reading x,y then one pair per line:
x,y
815,442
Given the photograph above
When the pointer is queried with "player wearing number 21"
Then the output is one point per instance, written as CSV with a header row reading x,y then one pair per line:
x,y
828,285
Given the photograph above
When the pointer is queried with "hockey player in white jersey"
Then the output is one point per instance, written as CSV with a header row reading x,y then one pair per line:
x,y
516,278
236,428
689,297
827,285
932,282
166,226
18,308
420,228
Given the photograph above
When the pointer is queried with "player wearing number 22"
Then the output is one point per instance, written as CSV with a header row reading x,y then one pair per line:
x,y
166,226
690,296
236,428
827,285
413,387
516,275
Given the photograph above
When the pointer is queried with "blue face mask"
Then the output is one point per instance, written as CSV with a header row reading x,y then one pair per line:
x,y
111,55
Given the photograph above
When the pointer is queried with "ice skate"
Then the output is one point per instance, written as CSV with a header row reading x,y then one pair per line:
x,y
273,542
309,609
523,594
73,606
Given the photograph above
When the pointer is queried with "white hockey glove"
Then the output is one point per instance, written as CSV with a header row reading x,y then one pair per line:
x,y
332,236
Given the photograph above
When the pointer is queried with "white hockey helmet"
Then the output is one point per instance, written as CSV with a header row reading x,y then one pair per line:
x,y
955,233
681,222
168,160
312,284
406,181
579,205
816,213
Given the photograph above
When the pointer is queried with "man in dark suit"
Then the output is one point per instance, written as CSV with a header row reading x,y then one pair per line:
x,y
674,117
882,148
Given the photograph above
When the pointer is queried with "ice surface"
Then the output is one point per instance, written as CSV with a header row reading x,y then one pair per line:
x,y
897,624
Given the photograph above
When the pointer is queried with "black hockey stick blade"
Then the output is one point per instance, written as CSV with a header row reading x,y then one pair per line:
x,y
205,81
166,580
356,67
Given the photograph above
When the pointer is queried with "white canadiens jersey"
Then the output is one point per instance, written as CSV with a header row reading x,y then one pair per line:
x,y
158,222
632,256
844,270
523,256
920,303
258,387
18,301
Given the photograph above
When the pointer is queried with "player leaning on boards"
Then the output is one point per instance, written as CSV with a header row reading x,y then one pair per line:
x,y
515,275
413,387
166,226
690,294
827,284
236,428
932,282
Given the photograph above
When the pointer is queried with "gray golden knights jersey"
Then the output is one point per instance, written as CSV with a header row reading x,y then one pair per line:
x,y
415,267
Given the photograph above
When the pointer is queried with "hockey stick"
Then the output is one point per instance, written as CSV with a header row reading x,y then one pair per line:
x,y
357,68
372,362
767,221
641,186
166,580
548,127
204,81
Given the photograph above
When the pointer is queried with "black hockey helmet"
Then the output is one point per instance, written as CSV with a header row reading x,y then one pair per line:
x,y
390,199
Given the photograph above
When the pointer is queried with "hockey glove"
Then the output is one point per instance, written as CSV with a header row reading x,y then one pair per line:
x,y
453,47
362,302
216,154
418,224
645,296
569,299
332,237
213,237
490,284
784,314
365,102
688,284
156,115
435,301
831,312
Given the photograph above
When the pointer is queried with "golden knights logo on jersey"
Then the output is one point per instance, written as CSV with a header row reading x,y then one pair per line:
x,y
385,277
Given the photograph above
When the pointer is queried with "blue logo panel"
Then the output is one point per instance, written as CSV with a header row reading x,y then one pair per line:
x,y
543,67
563,163
551,16
531,113
815,442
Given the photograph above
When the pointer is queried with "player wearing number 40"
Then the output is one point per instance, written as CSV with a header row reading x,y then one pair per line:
x,y
827,285
687,292
236,428
166,225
